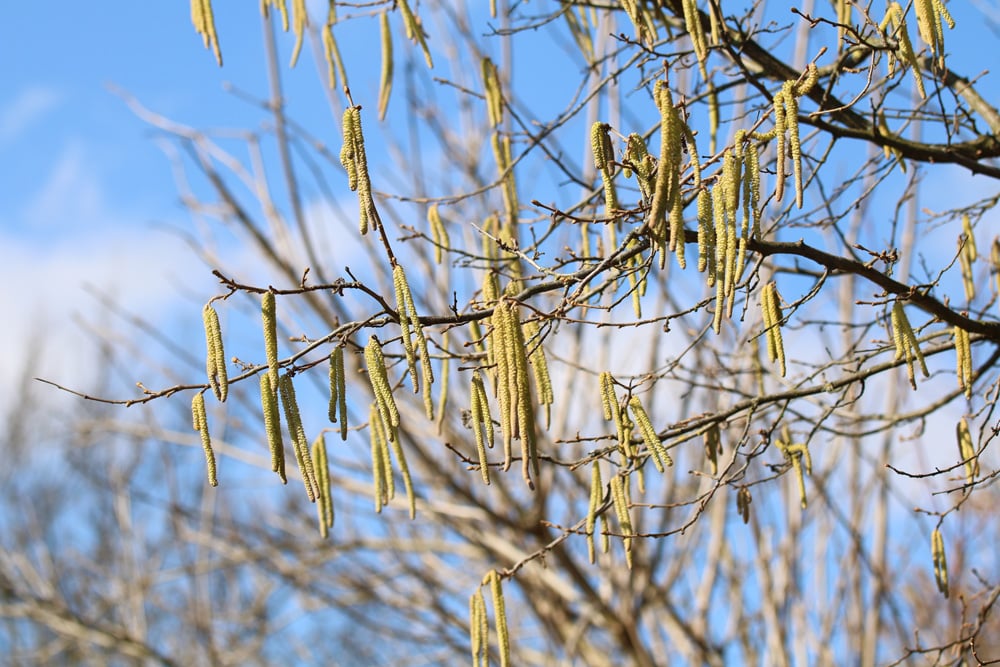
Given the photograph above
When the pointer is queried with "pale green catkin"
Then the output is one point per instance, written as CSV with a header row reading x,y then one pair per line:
x,y
482,423
200,423
270,320
324,506
215,356
337,409
296,432
656,450
385,79
204,23
379,379
499,617
272,426
596,496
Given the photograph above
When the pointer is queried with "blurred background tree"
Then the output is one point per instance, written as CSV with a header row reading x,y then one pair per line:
x,y
717,288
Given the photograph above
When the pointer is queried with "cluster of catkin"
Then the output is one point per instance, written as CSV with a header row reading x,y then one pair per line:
x,y
312,460
905,342
479,629
513,367
931,16
355,161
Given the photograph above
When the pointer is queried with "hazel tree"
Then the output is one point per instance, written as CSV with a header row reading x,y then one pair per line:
x,y
675,329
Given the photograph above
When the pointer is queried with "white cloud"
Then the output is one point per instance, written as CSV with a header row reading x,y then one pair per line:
x,y
27,108
70,196
70,234
135,267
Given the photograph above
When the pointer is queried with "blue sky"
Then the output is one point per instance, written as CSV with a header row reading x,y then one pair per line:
x,y
87,190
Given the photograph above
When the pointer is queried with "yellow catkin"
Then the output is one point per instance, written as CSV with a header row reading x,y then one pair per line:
x,y
300,21
771,307
282,8
499,616
215,357
894,16
272,426
415,30
504,160
410,320
270,321
331,52
499,359
638,159
967,451
751,185
508,355
676,224
656,450
967,257
519,391
940,561
494,98
204,22
750,228
600,143
612,411
404,470
796,458
786,119
622,511
355,161
324,506
539,368
200,422
636,284
645,29
596,497
579,27
426,372
843,18
717,277
608,399
929,23
482,423
379,451
706,231
347,152
798,455
906,343
692,22
731,181
379,379
730,184
478,629
712,440
297,434
475,638
781,153
442,404
743,500
385,77
403,313
667,186
384,459
963,360
439,233
337,409
970,238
